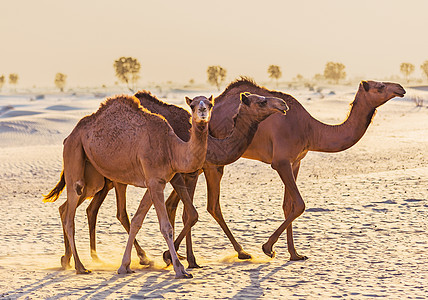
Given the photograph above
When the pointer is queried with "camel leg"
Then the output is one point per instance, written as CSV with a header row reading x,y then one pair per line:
x,y
191,215
213,176
156,192
191,181
122,216
135,226
287,207
65,259
171,206
91,213
73,201
284,169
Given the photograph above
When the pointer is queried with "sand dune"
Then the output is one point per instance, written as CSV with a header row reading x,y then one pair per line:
x,y
364,229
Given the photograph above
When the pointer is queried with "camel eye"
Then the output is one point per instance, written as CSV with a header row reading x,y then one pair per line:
x,y
263,103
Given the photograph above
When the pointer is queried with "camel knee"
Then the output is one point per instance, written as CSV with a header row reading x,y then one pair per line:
x,y
193,217
277,164
211,210
299,208
122,217
167,230
214,210
62,209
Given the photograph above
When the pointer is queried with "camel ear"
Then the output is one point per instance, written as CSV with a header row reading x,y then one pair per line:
x,y
188,100
366,85
244,98
211,99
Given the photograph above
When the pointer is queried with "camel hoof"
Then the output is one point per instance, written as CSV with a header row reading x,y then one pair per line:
x,y
298,257
194,265
144,261
167,258
95,258
124,270
65,262
184,275
244,255
268,252
84,271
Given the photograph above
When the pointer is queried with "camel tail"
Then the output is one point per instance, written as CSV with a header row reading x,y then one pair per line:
x,y
56,191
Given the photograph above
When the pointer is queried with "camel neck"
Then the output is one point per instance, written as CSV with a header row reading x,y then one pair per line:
x,y
335,138
225,151
190,156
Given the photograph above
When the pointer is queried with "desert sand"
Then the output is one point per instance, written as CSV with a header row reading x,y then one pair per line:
x,y
364,228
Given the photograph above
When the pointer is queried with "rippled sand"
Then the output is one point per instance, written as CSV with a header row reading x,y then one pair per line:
x,y
364,229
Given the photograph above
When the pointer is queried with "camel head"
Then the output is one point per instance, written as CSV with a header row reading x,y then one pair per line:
x,y
377,93
201,108
263,106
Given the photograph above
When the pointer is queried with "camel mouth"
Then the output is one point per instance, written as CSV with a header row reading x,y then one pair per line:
x,y
203,117
282,111
400,94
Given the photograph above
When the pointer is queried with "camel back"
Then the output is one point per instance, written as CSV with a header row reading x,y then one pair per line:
x,y
122,105
177,117
227,104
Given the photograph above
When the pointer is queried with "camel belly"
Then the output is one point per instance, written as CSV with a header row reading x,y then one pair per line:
x,y
119,165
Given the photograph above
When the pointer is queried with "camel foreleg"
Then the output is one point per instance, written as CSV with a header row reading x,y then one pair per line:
x,y
137,221
122,216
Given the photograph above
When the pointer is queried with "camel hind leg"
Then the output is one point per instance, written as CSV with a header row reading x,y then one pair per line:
x,y
78,189
92,212
213,175
287,207
297,205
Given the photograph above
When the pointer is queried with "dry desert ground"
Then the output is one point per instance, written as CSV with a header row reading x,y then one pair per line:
x,y
364,228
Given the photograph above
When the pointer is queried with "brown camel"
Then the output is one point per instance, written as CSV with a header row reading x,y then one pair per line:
x,y
128,144
283,143
253,110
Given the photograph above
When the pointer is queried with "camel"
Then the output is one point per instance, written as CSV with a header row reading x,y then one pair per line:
x,y
128,144
283,143
253,110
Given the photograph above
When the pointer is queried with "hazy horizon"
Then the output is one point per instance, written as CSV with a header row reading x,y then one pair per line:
x,y
177,41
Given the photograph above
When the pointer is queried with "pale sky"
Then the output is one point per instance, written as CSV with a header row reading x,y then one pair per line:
x,y
178,40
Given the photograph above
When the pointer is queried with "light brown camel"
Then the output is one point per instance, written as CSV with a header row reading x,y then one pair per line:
x,y
128,144
253,110
283,142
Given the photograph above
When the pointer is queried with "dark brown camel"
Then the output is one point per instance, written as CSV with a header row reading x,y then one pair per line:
x,y
283,142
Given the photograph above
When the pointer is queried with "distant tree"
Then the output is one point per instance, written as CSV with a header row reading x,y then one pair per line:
x,y
274,73
407,69
334,71
60,81
424,68
127,70
216,75
318,77
13,78
2,80
299,77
